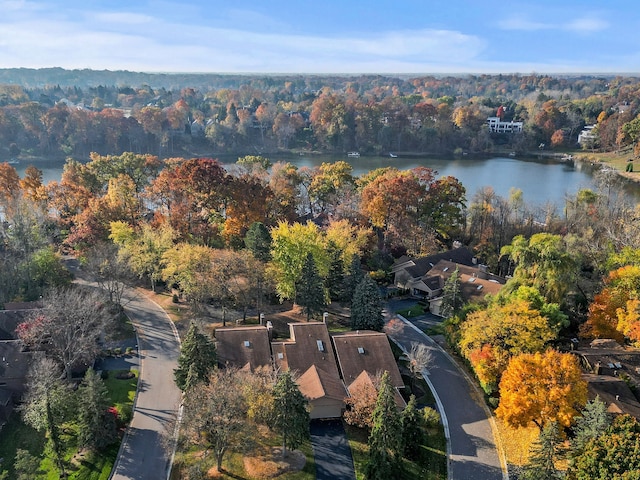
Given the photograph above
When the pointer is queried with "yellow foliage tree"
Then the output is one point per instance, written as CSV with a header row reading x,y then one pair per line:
x,y
541,388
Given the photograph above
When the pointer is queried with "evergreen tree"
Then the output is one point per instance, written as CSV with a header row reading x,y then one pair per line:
x,y
290,417
352,278
335,278
258,241
366,307
413,434
594,421
385,441
198,354
309,288
544,453
26,466
452,300
97,425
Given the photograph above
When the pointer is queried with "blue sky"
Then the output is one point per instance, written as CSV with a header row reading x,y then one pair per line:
x,y
333,36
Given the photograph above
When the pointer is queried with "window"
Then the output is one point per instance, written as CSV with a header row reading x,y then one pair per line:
x,y
280,355
320,345
360,350
247,343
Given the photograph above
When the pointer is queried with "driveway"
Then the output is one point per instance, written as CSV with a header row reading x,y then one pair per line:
x,y
472,450
331,451
144,454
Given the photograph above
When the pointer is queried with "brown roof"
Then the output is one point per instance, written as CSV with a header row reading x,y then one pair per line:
x,y
614,392
315,383
473,285
365,351
243,347
309,345
365,378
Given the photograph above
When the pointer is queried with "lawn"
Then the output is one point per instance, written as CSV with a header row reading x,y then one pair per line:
x,y
414,311
432,464
88,466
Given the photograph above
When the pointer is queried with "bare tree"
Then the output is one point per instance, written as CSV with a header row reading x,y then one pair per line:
x,y
420,358
110,270
68,326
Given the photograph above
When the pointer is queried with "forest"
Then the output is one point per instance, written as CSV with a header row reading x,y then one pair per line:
x,y
60,113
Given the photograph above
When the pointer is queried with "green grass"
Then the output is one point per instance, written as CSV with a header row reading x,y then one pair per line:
x,y
435,330
92,466
431,465
414,311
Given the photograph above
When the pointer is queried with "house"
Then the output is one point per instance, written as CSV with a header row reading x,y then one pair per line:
x,y
14,366
364,355
308,353
475,283
245,347
496,125
614,392
407,270
324,366
587,135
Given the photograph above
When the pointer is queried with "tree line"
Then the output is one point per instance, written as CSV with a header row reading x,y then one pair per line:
x,y
371,114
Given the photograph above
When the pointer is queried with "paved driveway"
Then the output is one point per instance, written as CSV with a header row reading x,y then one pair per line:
x,y
473,454
331,451
144,454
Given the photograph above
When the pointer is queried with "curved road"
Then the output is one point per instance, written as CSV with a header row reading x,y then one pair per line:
x,y
145,453
473,454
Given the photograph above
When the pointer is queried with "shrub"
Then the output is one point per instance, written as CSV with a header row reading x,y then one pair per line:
x,y
431,417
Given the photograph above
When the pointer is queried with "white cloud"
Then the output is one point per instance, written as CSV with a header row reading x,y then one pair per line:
x,y
587,25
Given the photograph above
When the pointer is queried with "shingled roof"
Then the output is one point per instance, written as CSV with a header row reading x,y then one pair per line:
x,y
309,345
365,351
315,383
243,347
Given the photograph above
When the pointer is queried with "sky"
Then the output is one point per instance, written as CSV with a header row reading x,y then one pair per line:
x,y
331,36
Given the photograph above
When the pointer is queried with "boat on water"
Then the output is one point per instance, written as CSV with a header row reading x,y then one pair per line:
x,y
566,157
512,154
353,154
14,161
393,155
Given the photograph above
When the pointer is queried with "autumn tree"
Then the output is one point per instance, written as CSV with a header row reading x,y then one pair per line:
x,y
488,338
197,359
215,414
110,270
385,441
290,417
541,388
360,404
290,246
366,306
419,358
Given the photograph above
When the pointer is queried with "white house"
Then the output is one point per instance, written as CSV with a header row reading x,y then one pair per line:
x,y
496,125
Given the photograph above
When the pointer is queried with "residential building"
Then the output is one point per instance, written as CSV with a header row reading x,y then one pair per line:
x,y
496,125
245,347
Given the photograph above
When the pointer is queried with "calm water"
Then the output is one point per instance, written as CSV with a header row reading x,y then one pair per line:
x,y
541,181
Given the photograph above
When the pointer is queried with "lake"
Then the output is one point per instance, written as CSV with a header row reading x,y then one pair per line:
x,y
542,180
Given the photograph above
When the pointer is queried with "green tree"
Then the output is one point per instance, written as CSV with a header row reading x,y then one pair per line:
x,y
452,300
258,241
197,358
545,451
366,307
290,417
97,426
613,455
593,422
385,441
352,278
413,432
544,262
47,405
309,288
26,466
335,278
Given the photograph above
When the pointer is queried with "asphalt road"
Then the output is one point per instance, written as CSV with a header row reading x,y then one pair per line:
x,y
473,454
331,451
147,449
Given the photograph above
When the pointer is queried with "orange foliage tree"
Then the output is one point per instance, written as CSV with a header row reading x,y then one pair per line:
x,y
541,388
